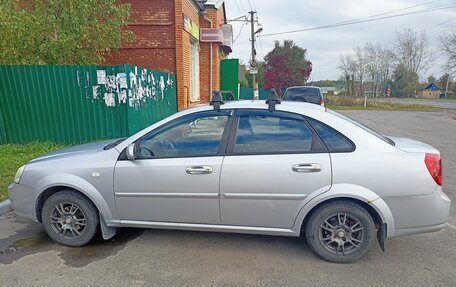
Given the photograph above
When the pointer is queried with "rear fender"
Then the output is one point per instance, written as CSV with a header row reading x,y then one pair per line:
x,y
347,191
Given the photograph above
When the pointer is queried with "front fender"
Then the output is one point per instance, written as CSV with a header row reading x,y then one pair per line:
x,y
347,191
79,184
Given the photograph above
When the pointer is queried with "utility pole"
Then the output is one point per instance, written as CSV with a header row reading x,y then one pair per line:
x,y
253,64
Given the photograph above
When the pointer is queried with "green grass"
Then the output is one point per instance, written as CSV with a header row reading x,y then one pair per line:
x,y
12,156
353,103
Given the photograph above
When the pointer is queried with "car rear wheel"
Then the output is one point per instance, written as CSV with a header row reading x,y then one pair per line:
x,y
340,231
70,218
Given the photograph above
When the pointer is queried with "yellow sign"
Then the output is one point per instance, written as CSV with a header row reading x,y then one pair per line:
x,y
191,27
195,31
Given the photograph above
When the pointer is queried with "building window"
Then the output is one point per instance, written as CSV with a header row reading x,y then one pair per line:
x,y
194,71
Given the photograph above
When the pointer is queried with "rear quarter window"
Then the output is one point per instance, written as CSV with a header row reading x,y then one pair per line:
x,y
334,140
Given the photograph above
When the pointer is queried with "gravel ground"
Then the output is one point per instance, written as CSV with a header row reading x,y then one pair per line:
x,y
137,257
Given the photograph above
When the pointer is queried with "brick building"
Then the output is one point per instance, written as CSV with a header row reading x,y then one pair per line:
x,y
185,37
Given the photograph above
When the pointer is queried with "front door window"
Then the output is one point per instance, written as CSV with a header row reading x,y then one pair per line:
x,y
195,135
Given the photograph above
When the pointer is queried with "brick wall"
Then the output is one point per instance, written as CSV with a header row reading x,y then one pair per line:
x,y
163,44
183,52
218,18
154,47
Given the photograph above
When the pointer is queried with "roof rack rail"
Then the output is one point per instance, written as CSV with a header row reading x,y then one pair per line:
x,y
217,100
273,100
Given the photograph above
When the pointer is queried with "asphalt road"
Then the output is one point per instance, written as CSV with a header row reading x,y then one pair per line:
x,y
137,257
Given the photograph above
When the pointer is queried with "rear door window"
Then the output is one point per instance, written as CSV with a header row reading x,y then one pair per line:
x,y
260,132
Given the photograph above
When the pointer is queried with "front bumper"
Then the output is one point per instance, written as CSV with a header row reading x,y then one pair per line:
x,y
23,199
419,214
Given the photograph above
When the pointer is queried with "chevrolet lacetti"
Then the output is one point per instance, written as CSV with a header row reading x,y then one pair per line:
x,y
247,167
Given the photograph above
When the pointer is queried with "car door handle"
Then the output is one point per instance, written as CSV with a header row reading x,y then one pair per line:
x,y
306,167
202,169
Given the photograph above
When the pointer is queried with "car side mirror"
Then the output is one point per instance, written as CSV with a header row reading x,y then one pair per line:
x,y
131,151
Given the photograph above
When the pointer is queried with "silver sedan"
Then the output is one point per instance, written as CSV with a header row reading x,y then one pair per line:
x,y
247,167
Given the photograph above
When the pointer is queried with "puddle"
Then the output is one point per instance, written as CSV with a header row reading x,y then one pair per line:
x,y
96,250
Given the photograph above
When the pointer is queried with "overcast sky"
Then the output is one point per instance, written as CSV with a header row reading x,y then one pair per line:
x,y
325,46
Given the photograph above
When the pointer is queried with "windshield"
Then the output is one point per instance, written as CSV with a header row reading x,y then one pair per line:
x,y
367,129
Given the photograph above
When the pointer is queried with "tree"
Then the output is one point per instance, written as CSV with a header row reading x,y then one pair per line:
x,y
412,54
373,64
404,81
360,67
386,65
286,65
431,79
61,32
449,47
348,67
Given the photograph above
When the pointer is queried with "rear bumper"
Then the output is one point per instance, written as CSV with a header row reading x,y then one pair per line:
x,y
419,214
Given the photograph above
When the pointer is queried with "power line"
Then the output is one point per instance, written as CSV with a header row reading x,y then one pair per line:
x,y
254,6
240,30
261,49
351,22
389,12
242,6
250,4
237,5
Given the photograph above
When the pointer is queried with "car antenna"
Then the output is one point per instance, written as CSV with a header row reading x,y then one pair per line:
x,y
217,100
273,100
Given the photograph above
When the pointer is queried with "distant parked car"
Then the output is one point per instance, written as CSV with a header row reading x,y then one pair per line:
x,y
307,94
247,167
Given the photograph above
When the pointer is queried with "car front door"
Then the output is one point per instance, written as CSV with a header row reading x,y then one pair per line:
x,y
274,161
175,176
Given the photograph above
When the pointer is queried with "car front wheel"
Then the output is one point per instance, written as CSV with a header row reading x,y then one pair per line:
x,y
69,218
340,231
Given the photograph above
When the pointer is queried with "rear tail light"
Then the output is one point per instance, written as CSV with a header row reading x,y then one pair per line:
x,y
322,103
434,165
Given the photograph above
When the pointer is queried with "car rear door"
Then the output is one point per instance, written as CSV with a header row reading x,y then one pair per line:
x,y
274,161
175,177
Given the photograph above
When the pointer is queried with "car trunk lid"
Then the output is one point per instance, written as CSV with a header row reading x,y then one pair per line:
x,y
409,145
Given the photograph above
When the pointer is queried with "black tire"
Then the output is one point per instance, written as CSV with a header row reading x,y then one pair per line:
x,y
336,242
70,218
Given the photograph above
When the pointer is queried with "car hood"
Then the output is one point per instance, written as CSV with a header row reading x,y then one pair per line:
x,y
410,145
83,149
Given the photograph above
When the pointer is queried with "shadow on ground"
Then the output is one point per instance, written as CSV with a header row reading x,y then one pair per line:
x,y
32,239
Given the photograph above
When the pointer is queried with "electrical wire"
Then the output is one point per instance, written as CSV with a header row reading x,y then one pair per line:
x,y
250,4
240,30
254,6
261,49
237,5
242,6
389,12
351,22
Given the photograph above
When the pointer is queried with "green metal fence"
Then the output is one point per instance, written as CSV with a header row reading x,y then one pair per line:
x,y
247,93
75,104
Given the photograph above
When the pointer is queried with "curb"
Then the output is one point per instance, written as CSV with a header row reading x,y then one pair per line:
x,y
5,206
